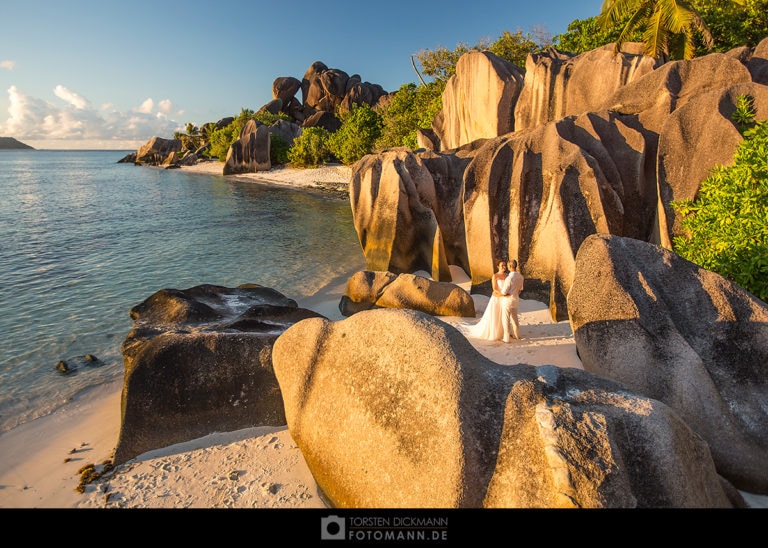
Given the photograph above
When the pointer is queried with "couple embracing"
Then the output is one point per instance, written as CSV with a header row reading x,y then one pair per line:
x,y
500,321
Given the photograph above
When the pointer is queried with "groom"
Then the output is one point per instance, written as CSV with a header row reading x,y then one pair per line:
x,y
511,288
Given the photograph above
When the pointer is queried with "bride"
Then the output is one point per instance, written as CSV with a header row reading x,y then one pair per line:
x,y
490,325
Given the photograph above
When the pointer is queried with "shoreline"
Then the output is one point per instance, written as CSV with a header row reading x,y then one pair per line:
x,y
41,458
259,467
333,178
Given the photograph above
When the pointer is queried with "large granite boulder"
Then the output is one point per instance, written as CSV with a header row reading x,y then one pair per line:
x,y
536,194
559,84
655,95
285,130
394,202
312,90
324,119
758,62
156,150
479,100
366,290
677,333
646,136
400,197
332,90
361,93
695,139
250,153
396,409
285,88
198,361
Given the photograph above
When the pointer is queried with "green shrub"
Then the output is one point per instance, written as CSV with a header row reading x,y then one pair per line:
x,y
744,115
587,34
278,149
726,225
733,24
360,127
310,149
267,118
221,139
411,108
515,47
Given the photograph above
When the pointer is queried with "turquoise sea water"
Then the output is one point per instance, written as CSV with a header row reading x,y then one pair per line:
x,y
83,239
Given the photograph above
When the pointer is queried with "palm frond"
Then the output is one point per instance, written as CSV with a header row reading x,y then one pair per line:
x,y
674,15
698,23
668,26
655,36
636,21
616,10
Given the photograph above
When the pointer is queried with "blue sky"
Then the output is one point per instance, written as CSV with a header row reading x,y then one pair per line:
x,y
107,75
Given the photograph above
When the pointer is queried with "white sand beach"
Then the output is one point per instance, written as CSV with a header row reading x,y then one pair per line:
x,y
251,468
41,459
323,177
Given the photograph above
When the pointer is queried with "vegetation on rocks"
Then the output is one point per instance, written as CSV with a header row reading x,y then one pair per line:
x,y
673,28
727,223
310,149
412,108
440,63
360,128
221,139
703,26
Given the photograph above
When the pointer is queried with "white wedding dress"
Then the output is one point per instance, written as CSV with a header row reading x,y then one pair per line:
x,y
490,326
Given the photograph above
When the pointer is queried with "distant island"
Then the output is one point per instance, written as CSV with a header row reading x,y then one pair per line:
x,y
11,143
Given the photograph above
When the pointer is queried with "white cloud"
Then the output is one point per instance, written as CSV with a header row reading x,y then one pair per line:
x,y
146,107
34,119
71,97
7,64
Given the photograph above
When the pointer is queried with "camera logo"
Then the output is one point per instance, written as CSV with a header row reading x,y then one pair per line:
x,y
332,528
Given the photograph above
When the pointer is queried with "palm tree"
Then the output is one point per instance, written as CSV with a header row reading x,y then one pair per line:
x,y
668,26
192,129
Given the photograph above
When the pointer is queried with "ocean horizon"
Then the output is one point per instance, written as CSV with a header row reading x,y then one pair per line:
x,y
84,238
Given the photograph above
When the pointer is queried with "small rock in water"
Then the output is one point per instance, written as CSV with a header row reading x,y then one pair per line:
x,y
71,365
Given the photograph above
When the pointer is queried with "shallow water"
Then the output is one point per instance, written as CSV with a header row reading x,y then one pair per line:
x,y
83,239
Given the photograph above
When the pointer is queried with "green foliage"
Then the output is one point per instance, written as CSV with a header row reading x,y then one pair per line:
x,y
588,34
733,24
670,27
245,115
360,128
726,224
310,149
278,150
267,118
729,24
440,63
221,139
516,47
744,115
683,29
411,108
